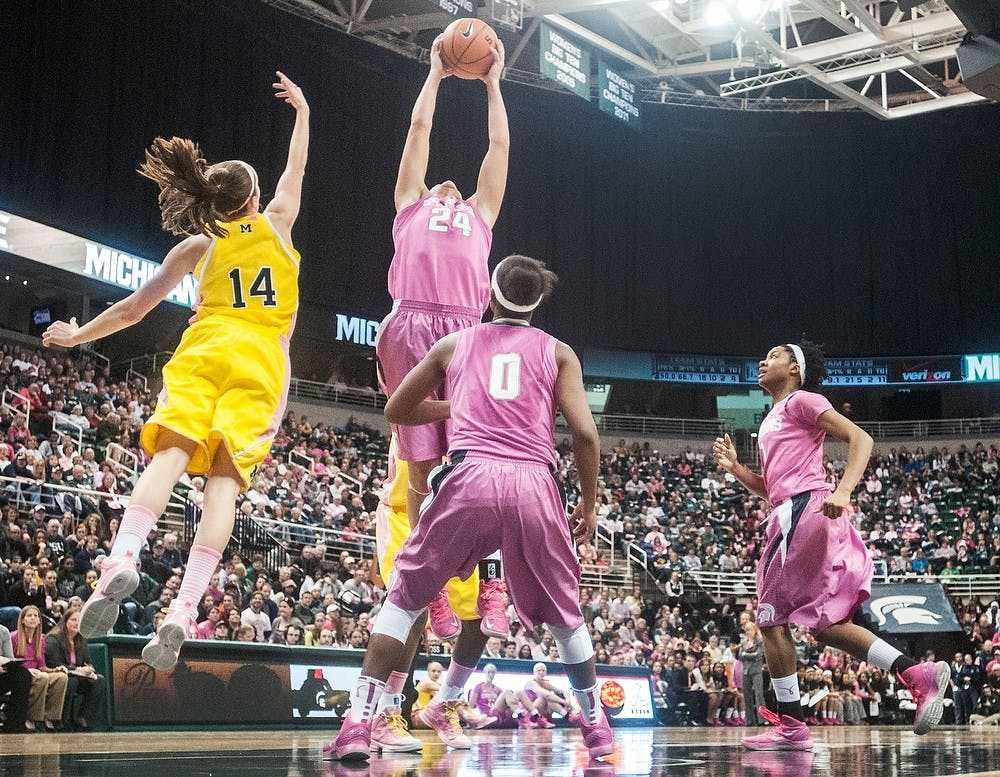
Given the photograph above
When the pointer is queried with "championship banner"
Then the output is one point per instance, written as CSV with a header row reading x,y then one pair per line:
x,y
617,95
910,608
564,60
457,8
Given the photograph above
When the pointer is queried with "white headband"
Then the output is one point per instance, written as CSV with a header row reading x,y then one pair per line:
x,y
800,359
253,181
506,302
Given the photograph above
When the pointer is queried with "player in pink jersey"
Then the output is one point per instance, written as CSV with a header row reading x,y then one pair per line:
x,y
439,283
814,569
438,278
500,703
507,380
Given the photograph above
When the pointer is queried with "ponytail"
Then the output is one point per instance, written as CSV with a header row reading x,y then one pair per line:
x,y
194,196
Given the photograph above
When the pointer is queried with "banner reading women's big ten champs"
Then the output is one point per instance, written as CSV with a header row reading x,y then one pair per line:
x,y
457,8
565,61
617,96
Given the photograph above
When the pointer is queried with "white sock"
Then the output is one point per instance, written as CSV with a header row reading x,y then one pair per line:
x,y
448,693
882,654
589,704
365,699
786,688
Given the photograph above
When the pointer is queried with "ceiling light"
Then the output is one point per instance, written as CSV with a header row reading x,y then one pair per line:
x,y
716,14
749,9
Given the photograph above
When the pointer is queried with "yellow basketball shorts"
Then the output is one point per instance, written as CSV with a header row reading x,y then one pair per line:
x,y
462,594
226,385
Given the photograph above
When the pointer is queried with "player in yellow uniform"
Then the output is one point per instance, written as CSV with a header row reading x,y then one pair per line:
x,y
226,385
392,528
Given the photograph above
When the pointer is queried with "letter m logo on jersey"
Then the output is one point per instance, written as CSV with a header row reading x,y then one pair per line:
x,y
246,228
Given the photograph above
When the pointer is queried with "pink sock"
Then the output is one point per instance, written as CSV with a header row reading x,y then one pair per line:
x,y
201,565
451,688
395,682
392,696
137,522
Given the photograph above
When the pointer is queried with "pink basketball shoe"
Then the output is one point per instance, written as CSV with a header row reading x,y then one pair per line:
x,y
119,578
787,734
927,684
442,716
444,623
353,742
491,606
389,733
163,649
598,738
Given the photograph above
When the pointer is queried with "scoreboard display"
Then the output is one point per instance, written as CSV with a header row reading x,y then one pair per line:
x,y
857,372
698,369
742,371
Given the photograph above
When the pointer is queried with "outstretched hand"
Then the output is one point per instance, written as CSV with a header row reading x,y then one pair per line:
x,y
437,64
724,453
287,90
61,333
496,69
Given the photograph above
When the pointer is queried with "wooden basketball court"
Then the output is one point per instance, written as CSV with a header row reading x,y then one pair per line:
x,y
702,752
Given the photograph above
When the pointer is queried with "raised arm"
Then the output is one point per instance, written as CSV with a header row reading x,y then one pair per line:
x,y
859,450
179,262
409,405
410,185
493,172
571,400
724,453
284,208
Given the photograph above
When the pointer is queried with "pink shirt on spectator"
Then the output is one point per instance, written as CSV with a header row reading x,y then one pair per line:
x,y
31,661
791,446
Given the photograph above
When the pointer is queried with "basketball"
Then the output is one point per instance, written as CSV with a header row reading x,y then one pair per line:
x,y
467,48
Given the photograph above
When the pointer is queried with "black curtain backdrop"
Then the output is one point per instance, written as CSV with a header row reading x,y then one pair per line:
x,y
708,232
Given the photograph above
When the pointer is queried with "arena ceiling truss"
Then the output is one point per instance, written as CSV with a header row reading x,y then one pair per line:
x,y
762,55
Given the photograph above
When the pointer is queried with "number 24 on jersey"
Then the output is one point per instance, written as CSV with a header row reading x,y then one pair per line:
x,y
442,219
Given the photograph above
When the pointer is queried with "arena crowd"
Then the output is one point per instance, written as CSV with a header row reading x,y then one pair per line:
x,y
924,511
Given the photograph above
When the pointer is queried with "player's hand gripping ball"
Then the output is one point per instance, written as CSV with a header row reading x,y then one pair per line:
x,y
467,48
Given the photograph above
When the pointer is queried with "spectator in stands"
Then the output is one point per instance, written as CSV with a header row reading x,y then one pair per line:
x,y
48,684
752,661
285,618
85,690
966,678
172,556
256,616
15,680
162,603
361,593
293,634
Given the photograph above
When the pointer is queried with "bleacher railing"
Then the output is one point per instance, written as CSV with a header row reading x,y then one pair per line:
x,y
18,404
615,573
337,393
707,428
944,427
721,585
24,494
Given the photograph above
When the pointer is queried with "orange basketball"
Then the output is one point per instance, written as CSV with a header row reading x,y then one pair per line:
x,y
467,48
